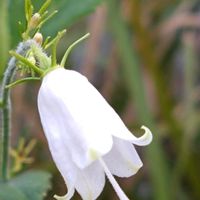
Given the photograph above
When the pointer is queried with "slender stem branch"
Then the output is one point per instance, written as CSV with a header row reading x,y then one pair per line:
x,y
22,81
6,108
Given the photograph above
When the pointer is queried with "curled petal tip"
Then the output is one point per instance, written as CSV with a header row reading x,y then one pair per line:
x,y
57,197
147,137
60,197
67,196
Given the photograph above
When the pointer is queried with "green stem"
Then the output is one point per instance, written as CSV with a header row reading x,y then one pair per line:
x,y
6,121
6,108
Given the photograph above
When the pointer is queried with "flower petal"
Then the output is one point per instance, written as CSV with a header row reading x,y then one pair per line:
x,y
64,164
90,181
120,130
74,109
122,160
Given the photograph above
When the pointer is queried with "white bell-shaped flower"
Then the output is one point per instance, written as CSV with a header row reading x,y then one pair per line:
x,y
87,138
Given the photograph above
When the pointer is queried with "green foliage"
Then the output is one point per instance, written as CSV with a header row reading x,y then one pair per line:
x,y
31,185
69,12
131,70
10,192
28,10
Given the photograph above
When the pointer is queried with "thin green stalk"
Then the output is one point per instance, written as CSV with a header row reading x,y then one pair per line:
x,y
155,155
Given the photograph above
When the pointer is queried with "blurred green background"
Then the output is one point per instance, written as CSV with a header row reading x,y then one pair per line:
x,y
143,56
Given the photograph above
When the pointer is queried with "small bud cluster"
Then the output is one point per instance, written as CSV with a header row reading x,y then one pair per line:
x,y
35,62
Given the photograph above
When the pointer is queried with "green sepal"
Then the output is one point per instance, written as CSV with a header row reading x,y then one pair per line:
x,y
71,47
43,60
54,45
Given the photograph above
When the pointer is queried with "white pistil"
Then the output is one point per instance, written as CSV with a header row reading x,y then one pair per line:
x,y
117,188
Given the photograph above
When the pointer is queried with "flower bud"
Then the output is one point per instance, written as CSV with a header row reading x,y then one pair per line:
x,y
35,19
38,38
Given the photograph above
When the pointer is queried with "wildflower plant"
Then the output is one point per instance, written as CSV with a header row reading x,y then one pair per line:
x,y
86,137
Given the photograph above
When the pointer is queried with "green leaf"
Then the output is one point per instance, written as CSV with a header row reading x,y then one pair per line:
x,y
69,12
8,192
34,184
31,185
14,18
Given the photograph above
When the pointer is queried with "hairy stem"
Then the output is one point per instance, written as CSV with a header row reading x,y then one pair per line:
x,y
6,108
